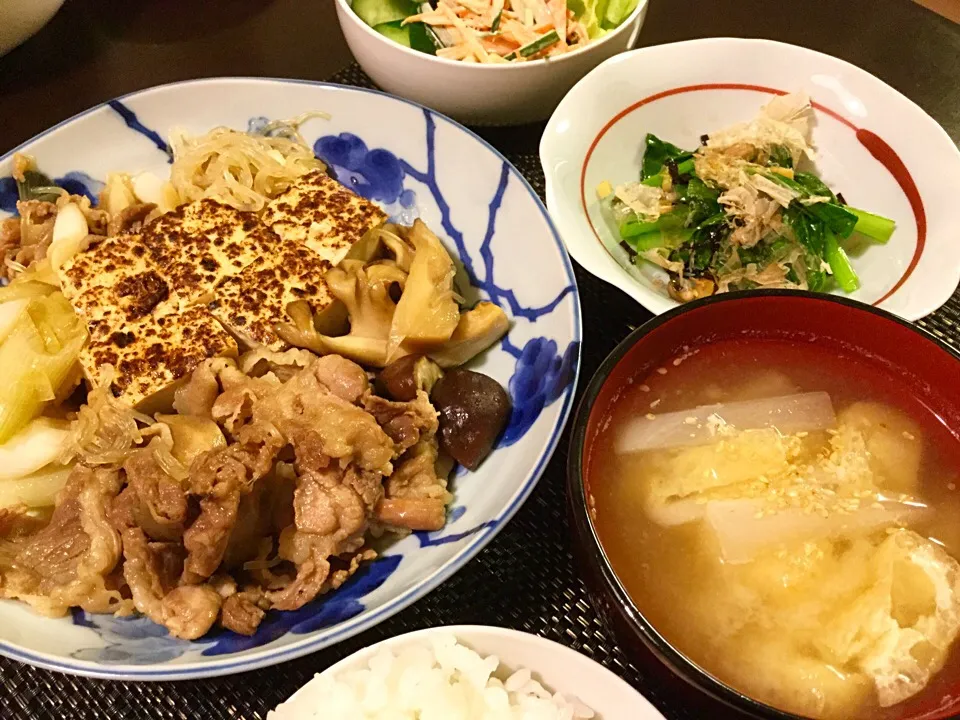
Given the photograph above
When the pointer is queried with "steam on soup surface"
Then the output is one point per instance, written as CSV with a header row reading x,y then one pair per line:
x,y
796,537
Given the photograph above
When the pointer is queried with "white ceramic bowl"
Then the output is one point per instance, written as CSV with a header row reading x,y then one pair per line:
x,y
683,90
21,19
557,667
413,162
480,94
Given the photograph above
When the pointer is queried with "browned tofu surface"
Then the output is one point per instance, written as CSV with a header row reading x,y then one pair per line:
x,y
251,303
324,215
199,245
197,280
152,354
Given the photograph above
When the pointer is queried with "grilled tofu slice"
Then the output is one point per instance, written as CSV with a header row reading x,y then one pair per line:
x,y
324,215
250,304
153,355
112,285
112,281
200,245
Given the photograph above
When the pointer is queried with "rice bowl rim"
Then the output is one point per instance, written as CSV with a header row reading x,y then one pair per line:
x,y
465,635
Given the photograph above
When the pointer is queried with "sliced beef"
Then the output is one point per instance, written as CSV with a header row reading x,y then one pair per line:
x,y
17,523
70,558
152,500
130,219
206,539
244,611
341,377
416,497
404,422
189,611
9,241
415,476
346,432
34,237
219,478
330,519
199,393
412,513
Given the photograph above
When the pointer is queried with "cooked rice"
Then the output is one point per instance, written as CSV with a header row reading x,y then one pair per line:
x,y
436,680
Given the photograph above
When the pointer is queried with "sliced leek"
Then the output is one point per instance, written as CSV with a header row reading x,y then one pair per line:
x,y
35,491
37,360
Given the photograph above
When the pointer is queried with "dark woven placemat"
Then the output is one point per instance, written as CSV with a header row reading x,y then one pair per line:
x,y
525,579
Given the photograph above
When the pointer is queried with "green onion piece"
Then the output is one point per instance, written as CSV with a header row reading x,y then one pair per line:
x,y
653,181
539,45
646,241
635,228
686,167
843,271
495,25
875,227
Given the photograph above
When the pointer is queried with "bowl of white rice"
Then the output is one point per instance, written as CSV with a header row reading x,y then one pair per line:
x,y
466,673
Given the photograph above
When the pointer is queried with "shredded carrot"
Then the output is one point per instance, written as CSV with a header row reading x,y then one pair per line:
x,y
469,24
558,10
499,45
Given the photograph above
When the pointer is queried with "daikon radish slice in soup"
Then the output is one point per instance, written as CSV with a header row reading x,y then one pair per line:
x,y
788,518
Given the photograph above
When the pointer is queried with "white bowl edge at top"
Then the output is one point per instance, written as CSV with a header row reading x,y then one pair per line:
x,y
669,78
475,93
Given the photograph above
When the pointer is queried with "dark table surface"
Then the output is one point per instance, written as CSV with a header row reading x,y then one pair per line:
x,y
97,49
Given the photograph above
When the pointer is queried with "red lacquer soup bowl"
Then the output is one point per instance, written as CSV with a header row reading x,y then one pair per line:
x,y
913,365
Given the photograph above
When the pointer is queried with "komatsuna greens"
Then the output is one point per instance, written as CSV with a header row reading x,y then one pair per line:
x,y
742,211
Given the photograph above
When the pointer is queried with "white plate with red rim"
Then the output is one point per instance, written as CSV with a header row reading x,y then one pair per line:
x,y
877,147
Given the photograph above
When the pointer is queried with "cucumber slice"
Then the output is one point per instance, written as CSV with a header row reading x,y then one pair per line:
x,y
414,36
532,48
378,12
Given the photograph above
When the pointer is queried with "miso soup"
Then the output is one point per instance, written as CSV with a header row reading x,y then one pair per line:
x,y
788,518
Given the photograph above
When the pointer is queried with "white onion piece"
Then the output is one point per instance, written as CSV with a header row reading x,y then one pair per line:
x,y
743,535
69,232
40,443
788,414
10,312
148,188
118,194
36,490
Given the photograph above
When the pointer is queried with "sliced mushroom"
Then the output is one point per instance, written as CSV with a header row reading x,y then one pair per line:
x,y
365,293
473,411
427,313
401,379
477,330
371,352
402,251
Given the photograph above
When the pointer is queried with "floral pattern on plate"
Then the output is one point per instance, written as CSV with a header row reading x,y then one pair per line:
x,y
418,165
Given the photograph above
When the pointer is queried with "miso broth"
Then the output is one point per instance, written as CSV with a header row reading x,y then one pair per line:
x,y
812,570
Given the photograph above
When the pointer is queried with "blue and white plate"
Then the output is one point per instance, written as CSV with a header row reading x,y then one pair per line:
x,y
414,163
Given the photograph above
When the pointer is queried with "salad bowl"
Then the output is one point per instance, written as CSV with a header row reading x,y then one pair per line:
x,y
416,164
480,94
878,148
21,19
